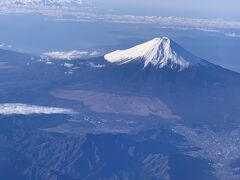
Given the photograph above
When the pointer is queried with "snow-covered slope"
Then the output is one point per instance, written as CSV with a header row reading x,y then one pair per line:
x,y
159,52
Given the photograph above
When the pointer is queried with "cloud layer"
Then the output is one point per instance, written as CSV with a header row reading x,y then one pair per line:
x,y
233,35
80,10
163,21
41,2
68,55
24,109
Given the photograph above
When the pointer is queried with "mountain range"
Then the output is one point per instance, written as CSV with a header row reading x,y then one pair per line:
x,y
153,111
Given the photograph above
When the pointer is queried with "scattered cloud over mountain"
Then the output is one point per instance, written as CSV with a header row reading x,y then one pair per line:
x,y
68,55
24,109
233,35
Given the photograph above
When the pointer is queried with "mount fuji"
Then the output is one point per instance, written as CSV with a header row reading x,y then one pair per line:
x,y
161,61
159,53
195,89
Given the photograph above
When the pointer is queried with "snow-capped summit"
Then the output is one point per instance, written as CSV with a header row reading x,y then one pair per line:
x,y
159,52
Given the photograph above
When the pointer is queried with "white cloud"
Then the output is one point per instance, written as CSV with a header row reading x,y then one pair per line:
x,y
86,12
94,53
68,65
68,55
4,45
41,2
209,25
44,7
24,109
96,65
65,55
233,35
171,21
